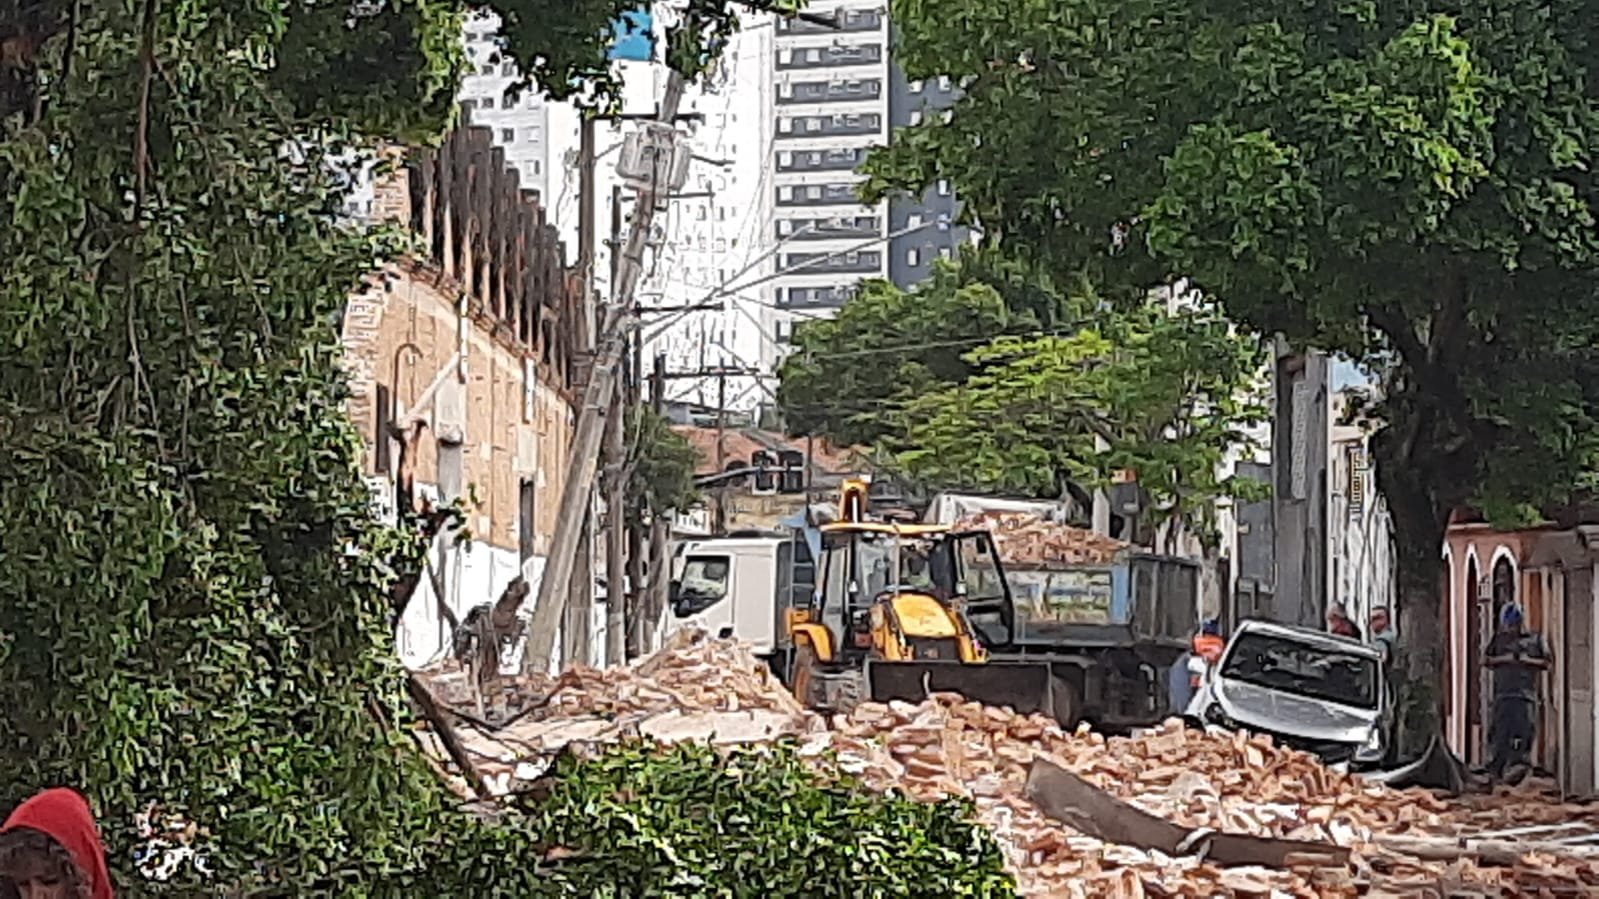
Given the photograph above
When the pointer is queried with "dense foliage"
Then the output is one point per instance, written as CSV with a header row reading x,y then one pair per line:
x,y
689,821
1409,184
661,465
990,377
195,612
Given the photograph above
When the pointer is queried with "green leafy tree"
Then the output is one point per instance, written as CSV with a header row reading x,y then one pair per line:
x,y
1410,185
1164,394
687,820
196,609
661,466
887,346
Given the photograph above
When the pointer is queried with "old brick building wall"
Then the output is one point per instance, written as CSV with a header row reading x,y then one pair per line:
x,y
467,350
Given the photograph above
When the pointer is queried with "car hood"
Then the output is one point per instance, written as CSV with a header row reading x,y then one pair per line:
x,y
1262,708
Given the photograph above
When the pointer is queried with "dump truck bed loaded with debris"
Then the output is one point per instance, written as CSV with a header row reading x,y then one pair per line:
x,y
1363,838
1111,620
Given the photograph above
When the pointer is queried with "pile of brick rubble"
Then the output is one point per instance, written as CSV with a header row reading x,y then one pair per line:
x,y
699,689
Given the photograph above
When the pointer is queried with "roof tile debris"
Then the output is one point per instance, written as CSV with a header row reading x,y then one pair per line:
x,y
1023,538
1230,782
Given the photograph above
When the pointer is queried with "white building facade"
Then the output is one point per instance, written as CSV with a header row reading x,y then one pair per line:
x,y
522,124
1360,531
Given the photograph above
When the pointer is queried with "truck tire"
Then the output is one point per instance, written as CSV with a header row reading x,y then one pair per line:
x,y
802,674
1067,699
851,692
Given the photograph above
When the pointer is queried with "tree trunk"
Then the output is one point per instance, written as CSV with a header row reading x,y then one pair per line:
x,y
1420,518
1420,667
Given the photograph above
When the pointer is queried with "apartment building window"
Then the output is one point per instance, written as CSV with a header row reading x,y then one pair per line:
x,y
721,213
913,256
486,69
916,86
785,126
487,102
943,82
538,167
468,104
814,54
943,187
813,191
916,117
914,220
532,135
785,193
507,135
785,159
508,68
946,252
943,221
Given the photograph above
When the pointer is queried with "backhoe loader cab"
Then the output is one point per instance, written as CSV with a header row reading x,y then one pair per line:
x,y
905,610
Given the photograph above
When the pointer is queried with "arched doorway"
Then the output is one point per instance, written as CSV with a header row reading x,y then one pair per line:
x,y
1504,587
1473,669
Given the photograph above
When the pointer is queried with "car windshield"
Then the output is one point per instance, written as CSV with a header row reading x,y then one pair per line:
x,y
1290,666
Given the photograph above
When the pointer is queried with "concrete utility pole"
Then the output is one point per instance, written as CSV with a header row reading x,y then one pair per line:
x,y
660,530
585,450
578,624
616,486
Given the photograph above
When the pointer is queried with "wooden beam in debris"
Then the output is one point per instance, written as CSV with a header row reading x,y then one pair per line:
x,y
443,723
1067,798
1498,852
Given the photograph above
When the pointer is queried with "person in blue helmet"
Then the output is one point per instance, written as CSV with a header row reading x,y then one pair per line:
x,y
1518,658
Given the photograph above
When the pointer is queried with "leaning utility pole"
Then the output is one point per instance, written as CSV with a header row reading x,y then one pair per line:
x,y
616,590
596,402
578,621
660,531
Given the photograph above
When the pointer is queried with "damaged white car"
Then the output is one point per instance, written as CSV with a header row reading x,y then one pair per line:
x,y
1313,691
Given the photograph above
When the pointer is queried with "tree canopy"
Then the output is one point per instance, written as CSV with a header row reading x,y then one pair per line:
x,y
1409,184
1027,388
1164,394
196,613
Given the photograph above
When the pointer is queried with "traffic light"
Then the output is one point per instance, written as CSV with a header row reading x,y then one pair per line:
x,y
792,479
765,463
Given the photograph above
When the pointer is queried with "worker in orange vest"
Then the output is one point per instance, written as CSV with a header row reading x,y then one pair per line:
x,y
1182,682
1208,645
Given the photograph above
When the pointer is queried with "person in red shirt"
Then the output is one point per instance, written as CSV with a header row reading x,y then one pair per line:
x,y
50,848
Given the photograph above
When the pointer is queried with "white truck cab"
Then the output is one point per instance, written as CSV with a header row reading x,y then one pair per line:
x,y
739,586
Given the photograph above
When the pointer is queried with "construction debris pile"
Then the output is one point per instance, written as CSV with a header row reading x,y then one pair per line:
x,y
1023,538
1401,843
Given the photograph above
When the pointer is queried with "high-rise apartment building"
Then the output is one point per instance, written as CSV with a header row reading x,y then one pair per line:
x,y
830,107
837,94
925,228
521,125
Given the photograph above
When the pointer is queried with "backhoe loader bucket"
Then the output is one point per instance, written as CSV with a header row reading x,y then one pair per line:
x,y
1022,686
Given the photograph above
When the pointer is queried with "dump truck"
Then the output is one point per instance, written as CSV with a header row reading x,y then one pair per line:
x,y
1107,619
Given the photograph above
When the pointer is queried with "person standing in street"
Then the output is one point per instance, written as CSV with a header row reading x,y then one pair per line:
x,y
1382,633
1340,624
1518,659
1181,683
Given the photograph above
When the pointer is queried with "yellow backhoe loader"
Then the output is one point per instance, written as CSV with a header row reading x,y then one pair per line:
x,y
904,610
